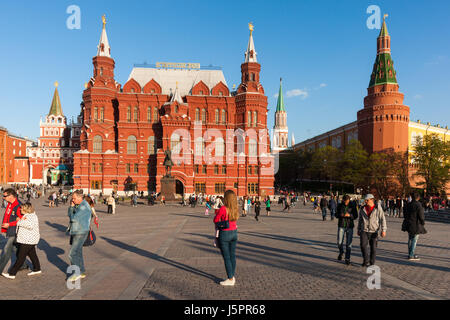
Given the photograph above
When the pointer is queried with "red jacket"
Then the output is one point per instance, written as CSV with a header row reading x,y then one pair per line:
x,y
221,215
7,216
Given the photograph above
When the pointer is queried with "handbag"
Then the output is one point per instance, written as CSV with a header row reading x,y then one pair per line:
x,y
91,238
223,224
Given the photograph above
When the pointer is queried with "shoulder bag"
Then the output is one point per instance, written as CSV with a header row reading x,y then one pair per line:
x,y
223,224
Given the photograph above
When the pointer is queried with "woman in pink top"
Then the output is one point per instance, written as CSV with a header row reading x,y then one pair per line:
x,y
227,238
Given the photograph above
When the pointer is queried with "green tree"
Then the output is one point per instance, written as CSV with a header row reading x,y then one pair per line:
x,y
325,163
400,161
353,166
431,156
380,170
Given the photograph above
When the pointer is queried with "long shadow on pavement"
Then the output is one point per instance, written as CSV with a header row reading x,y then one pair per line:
x,y
57,226
53,254
380,258
159,258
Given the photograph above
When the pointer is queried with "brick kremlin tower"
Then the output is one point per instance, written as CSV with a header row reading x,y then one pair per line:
x,y
182,107
280,128
383,123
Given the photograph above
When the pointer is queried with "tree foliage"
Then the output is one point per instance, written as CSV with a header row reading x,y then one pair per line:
x,y
431,156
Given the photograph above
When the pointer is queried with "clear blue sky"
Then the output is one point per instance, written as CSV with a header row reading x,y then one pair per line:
x,y
323,50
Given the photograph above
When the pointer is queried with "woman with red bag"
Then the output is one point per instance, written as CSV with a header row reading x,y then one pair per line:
x,y
226,237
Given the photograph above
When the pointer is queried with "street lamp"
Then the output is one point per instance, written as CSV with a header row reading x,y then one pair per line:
x,y
43,167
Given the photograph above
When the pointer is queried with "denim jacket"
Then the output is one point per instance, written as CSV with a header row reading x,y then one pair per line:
x,y
80,218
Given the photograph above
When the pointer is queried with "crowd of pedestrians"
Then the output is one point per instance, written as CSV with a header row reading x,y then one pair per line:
x,y
20,224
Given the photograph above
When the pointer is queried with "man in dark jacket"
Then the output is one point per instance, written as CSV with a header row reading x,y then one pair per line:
x,y
346,213
9,227
414,224
323,207
332,205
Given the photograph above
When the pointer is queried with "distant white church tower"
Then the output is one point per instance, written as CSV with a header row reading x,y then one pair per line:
x,y
280,129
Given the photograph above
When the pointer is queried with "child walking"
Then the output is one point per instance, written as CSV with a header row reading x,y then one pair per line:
x,y
27,237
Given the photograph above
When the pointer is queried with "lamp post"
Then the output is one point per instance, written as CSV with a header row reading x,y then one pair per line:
x,y
43,169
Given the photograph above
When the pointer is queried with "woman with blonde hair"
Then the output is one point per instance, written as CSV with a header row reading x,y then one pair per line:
x,y
226,235
27,237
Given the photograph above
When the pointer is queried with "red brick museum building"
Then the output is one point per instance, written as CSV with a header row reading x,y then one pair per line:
x,y
181,107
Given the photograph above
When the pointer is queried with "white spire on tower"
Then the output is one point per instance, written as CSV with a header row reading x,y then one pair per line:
x,y
176,96
103,48
250,54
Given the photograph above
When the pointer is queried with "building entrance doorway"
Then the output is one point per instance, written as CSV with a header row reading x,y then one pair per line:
x,y
179,188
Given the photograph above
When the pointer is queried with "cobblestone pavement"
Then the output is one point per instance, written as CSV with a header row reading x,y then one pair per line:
x,y
166,252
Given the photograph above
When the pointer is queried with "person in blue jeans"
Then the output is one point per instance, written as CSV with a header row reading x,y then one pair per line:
x,y
414,224
346,214
80,219
226,239
332,205
9,228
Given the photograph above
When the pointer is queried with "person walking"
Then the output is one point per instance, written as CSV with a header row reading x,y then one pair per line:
x,y
257,208
346,214
80,219
371,221
226,239
111,204
323,207
94,214
332,205
27,237
315,204
244,207
12,213
414,224
268,206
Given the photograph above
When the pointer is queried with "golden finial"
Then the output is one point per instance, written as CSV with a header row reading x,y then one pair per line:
x,y
385,16
177,84
85,85
56,84
104,20
250,26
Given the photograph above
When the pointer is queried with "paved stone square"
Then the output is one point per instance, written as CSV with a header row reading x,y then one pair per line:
x,y
167,252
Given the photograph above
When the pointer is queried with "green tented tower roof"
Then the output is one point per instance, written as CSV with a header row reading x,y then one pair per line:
x,y
383,69
55,108
280,102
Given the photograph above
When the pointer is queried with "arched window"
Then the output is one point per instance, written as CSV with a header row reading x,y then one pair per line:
x,y
175,144
149,114
98,141
252,148
102,114
155,114
220,147
216,116
151,146
197,114
129,114
131,145
255,118
204,115
249,119
224,116
199,146
136,114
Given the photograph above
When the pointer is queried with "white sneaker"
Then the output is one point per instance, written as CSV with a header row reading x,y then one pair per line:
x,y
6,275
74,277
228,282
32,273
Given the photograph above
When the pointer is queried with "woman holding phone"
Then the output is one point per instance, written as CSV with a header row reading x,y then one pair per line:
x,y
227,237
